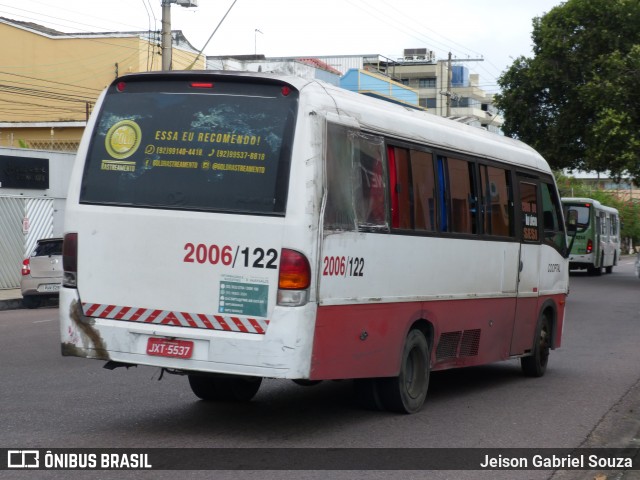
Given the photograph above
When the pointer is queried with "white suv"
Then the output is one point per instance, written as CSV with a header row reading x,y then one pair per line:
x,y
42,273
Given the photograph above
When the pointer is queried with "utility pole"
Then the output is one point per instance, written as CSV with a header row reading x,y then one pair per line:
x,y
449,76
449,94
167,40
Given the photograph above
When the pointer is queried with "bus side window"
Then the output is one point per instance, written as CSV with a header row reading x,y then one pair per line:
x,y
401,194
424,191
497,206
462,196
413,189
554,234
339,213
370,179
355,180
529,208
604,224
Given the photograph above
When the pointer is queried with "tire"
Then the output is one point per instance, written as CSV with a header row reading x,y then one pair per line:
x,y
594,271
224,389
367,394
536,364
407,392
306,383
609,269
31,301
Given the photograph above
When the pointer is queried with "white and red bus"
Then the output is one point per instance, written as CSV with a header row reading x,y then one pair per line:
x,y
231,227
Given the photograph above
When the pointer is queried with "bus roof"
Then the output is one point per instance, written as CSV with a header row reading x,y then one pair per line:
x,y
594,202
380,116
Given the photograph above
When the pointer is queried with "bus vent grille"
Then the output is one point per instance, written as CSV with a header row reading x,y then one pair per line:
x,y
470,343
448,345
458,344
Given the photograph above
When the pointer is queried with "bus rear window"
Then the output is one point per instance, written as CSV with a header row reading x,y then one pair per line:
x,y
220,146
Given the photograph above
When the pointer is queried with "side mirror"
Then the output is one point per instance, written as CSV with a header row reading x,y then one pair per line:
x,y
572,229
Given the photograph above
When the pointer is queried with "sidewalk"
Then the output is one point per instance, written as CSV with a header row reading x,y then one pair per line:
x,y
10,299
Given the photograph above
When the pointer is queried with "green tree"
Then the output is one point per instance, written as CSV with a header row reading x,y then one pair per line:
x,y
577,100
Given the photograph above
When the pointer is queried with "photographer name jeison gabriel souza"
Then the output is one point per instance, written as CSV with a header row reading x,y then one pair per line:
x,y
554,461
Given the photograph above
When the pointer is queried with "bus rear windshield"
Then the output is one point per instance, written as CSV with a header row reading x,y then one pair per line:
x,y
583,212
219,146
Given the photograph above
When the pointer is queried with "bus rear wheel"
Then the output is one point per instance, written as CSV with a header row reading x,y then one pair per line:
x,y
609,269
536,364
407,392
224,389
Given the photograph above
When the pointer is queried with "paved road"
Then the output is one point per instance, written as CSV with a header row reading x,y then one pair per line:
x,y
585,399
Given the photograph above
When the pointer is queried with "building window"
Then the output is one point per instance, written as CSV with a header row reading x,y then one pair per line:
x,y
429,82
428,102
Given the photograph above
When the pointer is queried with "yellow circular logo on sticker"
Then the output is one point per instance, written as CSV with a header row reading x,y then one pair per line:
x,y
123,139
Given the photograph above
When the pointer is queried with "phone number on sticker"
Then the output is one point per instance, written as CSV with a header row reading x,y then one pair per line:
x,y
343,267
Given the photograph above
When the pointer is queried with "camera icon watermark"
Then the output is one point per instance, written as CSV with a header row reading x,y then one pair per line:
x,y
23,459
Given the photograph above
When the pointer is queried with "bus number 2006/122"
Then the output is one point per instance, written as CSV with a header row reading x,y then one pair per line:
x,y
343,267
227,256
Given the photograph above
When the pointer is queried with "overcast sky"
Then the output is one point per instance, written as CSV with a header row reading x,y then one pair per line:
x,y
495,30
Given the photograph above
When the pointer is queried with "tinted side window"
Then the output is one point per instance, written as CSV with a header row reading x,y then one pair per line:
x,y
554,233
370,178
401,191
496,199
413,204
424,190
462,196
339,213
529,209
355,180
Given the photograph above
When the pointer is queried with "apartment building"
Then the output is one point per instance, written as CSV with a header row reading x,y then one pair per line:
x,y
50,80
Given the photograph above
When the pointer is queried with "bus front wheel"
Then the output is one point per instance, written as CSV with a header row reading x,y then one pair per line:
x,y
536,364
407,392
224,389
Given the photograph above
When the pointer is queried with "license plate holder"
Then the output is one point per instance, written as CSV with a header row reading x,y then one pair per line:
x,y
167,347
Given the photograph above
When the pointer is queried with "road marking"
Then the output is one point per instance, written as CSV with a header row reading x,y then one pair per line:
x,y
43,321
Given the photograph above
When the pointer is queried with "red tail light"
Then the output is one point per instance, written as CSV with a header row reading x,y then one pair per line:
x,y
70,260
295,272
589,246
294,279
26,267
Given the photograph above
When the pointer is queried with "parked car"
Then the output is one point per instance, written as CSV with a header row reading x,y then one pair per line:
x,y
42,273
638,265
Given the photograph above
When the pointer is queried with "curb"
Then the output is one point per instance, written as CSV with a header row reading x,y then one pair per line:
x,y
11,304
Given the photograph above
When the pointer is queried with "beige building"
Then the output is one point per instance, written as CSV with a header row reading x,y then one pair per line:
x,y
51,80
445,88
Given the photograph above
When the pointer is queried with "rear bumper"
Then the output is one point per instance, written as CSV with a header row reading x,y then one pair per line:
x,y
39,286
283,351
